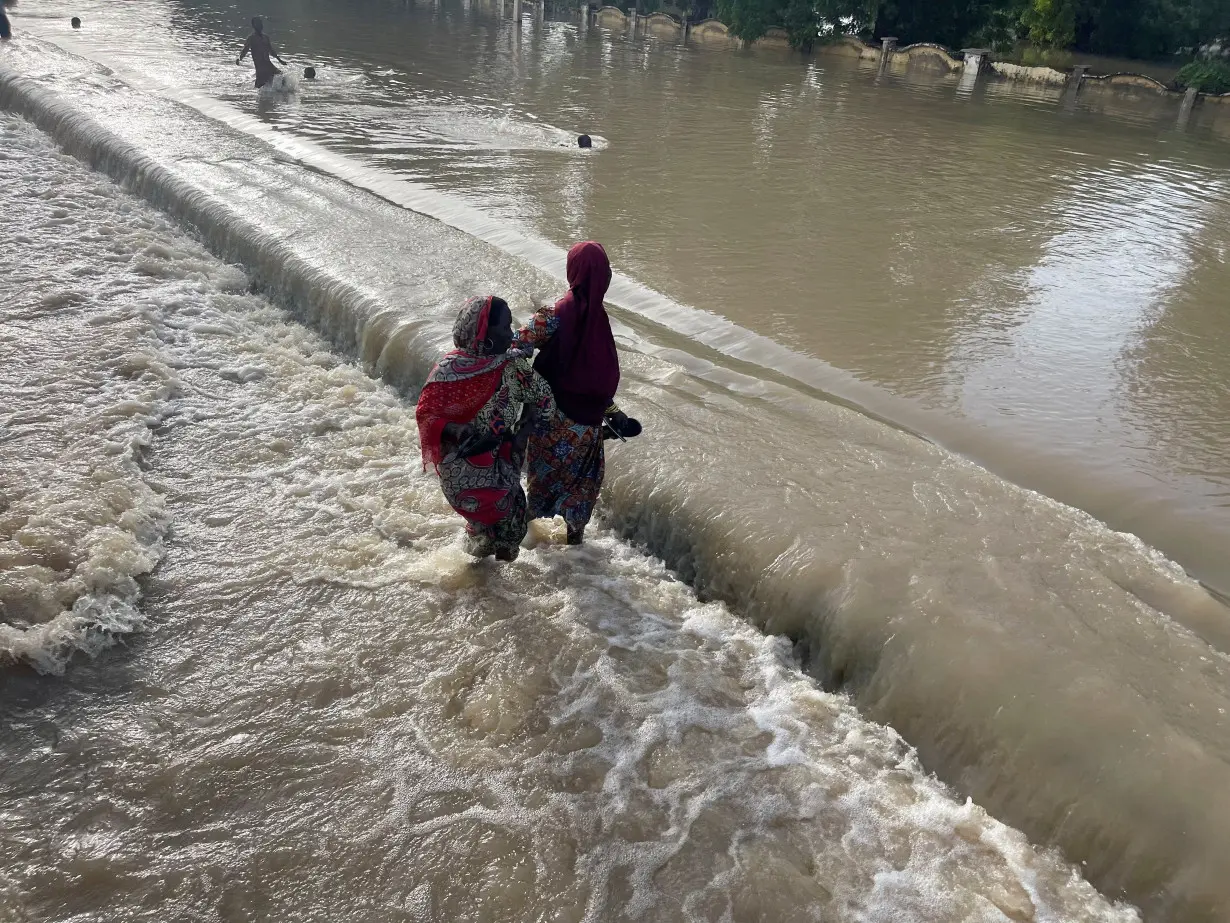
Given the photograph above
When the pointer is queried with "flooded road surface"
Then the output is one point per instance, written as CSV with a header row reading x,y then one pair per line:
x,y
318,706
334,715
1035,288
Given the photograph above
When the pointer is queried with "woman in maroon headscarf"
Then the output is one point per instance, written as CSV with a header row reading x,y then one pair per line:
x,y
577,357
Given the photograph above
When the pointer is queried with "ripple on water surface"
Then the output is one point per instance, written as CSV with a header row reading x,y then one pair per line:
x,y
340,716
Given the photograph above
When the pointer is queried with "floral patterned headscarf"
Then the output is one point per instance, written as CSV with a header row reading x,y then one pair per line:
x,y
470,328
462,382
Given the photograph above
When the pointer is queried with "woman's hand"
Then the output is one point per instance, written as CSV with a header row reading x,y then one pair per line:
x,y
477,442
621,426
531,422
522,438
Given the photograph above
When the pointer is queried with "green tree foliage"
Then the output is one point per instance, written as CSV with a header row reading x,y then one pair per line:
x,y
805,21
1206,75
748,19
955,23
1050,23
1133,28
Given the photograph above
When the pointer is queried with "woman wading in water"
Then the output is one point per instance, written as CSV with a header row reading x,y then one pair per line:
x,y
469,429
577,357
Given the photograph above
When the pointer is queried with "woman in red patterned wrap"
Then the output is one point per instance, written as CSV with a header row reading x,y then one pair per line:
x,y
469,429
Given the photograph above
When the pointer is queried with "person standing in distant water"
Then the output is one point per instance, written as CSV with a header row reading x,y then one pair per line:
x,y
478,409
262,50
577,357
6,31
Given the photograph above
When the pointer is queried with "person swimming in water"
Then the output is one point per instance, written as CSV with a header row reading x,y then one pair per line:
x,y
262,50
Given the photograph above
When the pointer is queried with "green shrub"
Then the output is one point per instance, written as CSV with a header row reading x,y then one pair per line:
x,y
1208,75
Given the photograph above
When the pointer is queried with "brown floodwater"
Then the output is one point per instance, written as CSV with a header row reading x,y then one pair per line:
x,y
1037,288
936,420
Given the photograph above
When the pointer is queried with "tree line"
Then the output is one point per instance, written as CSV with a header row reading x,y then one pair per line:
x,y
1148,29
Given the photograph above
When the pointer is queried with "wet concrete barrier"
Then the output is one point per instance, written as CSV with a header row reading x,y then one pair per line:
x,y
1107,89
1108,93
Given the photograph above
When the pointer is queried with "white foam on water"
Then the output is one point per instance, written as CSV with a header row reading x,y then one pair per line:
x,y
343,701
85,390
281,85
944,607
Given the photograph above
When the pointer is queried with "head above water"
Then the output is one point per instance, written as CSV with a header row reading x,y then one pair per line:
x,y
258,25
484,326
585,141
75,22
309,73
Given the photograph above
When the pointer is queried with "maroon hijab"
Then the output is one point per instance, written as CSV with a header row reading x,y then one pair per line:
x,y
579,361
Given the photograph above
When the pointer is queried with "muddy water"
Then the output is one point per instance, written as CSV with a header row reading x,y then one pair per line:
x,y
1041,287
962,610
336,716
1033,287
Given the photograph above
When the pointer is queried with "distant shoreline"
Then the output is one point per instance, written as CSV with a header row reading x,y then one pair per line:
x,y
971,66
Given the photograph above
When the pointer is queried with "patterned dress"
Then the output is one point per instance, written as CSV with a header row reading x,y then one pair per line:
x,y
464,478
566,464
487,392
